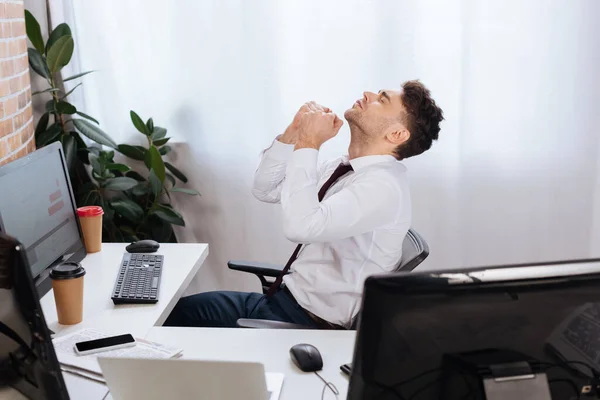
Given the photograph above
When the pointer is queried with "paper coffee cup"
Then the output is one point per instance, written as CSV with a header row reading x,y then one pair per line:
x,y
67,284
90,218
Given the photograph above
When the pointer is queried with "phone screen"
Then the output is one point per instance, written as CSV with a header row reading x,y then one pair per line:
x,y
104,342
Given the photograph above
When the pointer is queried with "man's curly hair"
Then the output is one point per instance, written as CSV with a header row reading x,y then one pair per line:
x,y
422,119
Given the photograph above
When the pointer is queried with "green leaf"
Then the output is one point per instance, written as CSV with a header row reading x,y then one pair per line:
x,y
50,106
77,76
80,143
84,115
70,149
129,234
82,149
34,32
119,238
58,32
65,108
140,189
159,133
161,231
49,136
191,192
128,209
109,213
156,163
60,53
150,125
169,215
42,124
176,172
127,229
37,63
160,142
45,91
89,199
94,133
118,167
138,123
120,183
86,188
136,176
164,150
71,91
155,183
131,152
95,163
109,155
171,179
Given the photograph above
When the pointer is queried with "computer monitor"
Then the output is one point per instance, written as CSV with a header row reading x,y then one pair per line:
x,y
470,334
37,207
27,358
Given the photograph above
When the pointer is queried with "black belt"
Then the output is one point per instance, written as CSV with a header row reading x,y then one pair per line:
x,y
321,323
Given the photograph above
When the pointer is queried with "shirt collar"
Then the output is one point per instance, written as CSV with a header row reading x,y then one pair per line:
x,y
362,162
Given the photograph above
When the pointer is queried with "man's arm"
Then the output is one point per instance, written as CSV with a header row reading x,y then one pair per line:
x,y
367,204
270,173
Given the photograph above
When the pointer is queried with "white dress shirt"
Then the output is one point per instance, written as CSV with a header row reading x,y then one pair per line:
x,y
356,231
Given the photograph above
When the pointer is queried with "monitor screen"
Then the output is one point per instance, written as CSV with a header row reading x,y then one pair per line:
x,y
37,207
434,335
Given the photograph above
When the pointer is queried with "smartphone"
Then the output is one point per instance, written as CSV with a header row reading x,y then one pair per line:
x,y
346,368
104,344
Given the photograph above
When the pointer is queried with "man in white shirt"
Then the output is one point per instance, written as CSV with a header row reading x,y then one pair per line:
x,y
348,216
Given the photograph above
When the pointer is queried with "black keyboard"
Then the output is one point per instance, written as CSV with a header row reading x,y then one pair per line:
x,y
138,280
585,334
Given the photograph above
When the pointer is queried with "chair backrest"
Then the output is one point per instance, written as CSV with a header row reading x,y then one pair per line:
x,y
414,251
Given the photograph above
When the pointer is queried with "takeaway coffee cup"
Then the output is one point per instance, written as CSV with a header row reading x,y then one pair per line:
x,y
90,218
67,284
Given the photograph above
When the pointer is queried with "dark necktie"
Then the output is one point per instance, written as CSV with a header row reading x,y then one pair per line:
x,y
340,171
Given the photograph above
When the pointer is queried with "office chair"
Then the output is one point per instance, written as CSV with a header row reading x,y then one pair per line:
x,y
414,251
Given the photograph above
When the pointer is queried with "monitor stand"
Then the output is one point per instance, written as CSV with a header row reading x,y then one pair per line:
x,y
496,374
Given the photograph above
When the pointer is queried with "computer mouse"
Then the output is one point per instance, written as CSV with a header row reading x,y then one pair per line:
x,y
143,246
306,357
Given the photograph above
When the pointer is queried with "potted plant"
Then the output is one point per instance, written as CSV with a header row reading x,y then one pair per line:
x,y
136,206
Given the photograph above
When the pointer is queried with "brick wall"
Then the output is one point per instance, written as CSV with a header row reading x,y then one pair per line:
x,y
16,119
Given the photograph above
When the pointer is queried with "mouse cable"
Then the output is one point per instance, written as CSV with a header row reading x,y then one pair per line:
x,y
329,385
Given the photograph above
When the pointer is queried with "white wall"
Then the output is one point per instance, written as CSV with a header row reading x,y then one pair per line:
x,y
513,177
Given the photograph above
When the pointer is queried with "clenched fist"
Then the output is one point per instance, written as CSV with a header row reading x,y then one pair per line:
x,y
316,127
291,134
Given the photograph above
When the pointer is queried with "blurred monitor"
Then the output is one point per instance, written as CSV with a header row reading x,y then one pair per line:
x,y
37,207
28,361
458,334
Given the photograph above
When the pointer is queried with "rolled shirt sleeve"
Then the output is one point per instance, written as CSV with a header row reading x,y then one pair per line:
x,y
271,171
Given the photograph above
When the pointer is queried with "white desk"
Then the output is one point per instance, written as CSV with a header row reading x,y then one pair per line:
x,y
271,348
182,261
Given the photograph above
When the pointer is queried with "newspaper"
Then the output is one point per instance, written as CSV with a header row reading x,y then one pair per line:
x,y
72,362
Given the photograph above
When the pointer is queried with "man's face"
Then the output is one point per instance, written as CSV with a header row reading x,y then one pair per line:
x,y
374,113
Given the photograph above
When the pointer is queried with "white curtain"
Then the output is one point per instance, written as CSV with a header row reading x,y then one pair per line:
x,y
513,178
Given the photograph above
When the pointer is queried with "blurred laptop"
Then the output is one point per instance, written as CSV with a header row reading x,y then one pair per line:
x,y
154,379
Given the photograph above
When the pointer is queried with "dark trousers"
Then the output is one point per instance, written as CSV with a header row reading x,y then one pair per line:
x,y
223,309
